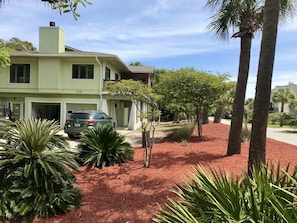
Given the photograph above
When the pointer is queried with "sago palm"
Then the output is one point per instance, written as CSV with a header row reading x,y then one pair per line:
x,y
247,17
35,172
102,146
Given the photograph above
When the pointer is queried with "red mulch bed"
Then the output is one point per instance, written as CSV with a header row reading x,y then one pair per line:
x,y
130,193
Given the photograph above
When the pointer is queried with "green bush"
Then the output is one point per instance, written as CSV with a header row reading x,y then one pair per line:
x,y
102,146
35,174
269,196
287,119
291,119
274,118
183,133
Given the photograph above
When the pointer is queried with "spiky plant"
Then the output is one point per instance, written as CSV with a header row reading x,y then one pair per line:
x,y
211,196
102,146
35,172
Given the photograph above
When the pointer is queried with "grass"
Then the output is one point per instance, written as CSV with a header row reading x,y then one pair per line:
x,y
182,133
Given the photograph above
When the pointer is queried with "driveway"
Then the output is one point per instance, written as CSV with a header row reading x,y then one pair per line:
x,y
287,135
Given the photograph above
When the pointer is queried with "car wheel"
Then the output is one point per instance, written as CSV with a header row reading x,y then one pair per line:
x,y
71,136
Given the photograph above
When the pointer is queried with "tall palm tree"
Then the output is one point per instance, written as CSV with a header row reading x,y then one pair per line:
x,y
247,17
257,151
283,96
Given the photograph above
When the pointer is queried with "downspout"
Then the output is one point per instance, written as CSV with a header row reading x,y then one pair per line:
x,y
101,81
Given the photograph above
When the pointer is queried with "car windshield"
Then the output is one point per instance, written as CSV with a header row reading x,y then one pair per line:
x,y
80,116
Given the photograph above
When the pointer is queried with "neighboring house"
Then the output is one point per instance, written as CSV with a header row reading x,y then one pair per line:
x,y
277,107
58,79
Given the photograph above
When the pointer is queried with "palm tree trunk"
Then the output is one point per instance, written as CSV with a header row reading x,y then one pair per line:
x,y
234,143
257,152
218,114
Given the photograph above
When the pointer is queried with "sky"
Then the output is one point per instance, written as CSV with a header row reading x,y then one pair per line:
x,y
162,33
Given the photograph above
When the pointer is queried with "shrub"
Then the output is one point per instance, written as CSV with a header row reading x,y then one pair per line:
x,y
291,119
274,118
35,174
102,146
183,133
269,195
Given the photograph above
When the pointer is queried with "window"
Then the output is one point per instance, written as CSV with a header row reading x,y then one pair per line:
x,y
20,73
107,74
83,71
117,76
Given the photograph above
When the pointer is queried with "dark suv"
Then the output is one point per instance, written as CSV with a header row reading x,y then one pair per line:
x,y
79,121
6,113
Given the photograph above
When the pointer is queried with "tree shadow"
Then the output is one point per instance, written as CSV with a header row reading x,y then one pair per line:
x,y
103,202
167,159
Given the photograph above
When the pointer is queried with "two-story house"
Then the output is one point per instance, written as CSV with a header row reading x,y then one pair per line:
x,y
58,79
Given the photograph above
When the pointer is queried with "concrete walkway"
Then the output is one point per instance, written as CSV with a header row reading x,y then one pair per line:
x,y
287,135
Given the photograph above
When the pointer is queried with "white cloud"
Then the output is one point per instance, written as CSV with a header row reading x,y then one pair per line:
x,y
158,31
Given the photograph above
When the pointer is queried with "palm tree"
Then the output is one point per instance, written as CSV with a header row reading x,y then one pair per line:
x,y
35,172
283,96
247,16
257,151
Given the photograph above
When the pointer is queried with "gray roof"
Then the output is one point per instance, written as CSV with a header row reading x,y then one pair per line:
x,y
110,58
72,52
291,86
142,69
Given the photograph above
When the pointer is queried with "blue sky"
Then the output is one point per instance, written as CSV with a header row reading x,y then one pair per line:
x,y
162,33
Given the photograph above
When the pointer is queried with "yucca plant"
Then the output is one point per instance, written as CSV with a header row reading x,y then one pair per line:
x,y
211,196
35,172
102,146
245,132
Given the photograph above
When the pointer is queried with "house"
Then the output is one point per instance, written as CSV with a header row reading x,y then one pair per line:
x,y
58,80
292,87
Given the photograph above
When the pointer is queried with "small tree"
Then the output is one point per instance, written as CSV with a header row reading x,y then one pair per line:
x,y
195,90
14,44
225,100
139,92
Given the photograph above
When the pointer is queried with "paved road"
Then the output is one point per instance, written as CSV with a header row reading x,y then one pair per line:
x,y
286,135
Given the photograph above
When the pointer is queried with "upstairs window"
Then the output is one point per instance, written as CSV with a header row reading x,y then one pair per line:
x,y
107,74
20,73
82,71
